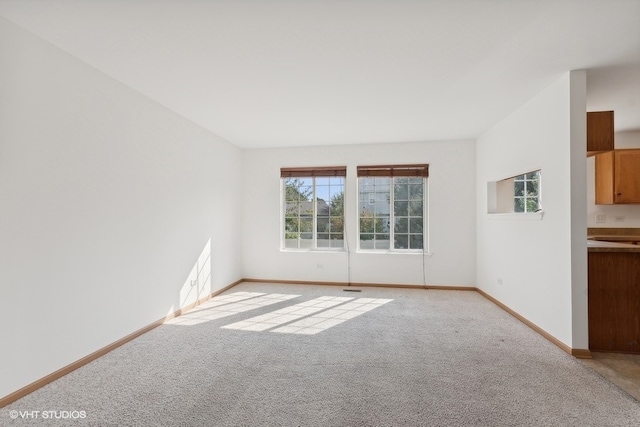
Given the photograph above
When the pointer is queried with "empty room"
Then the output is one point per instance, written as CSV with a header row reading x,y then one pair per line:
x,y
320,213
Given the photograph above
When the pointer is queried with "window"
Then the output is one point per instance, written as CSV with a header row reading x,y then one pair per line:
x,y
392,207
313,211
517,194
527,192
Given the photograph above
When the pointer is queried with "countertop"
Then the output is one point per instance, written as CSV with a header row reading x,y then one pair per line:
x,y
613,239
604,246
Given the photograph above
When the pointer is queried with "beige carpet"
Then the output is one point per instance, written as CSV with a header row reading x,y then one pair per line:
x,y
299,355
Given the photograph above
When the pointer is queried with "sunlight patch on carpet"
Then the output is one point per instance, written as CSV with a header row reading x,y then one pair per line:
x,y
229,298
310,317
228,305
288,314
332,317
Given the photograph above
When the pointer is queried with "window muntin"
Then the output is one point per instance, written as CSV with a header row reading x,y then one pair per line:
x,y
313,209
375,216
515,195
392,207
526,190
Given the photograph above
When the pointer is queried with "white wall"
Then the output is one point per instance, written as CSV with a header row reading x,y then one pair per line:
x,y
537,267
451,216
107,203
629,214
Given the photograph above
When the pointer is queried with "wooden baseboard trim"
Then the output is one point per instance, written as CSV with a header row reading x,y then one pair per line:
x,y
578,353
295,282
363,285
10,398
581,353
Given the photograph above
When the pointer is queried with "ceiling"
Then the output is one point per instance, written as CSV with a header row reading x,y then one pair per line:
x,y
276,73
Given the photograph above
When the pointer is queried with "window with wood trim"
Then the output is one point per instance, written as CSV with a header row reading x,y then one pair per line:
x,y
313,207
392,207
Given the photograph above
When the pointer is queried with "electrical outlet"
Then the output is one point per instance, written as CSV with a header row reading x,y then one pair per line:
x,y
601,218
320,265
619,218
499,280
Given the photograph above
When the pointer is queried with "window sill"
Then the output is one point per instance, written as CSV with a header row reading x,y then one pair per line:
x,y
359,251
529,216
386,252
302,250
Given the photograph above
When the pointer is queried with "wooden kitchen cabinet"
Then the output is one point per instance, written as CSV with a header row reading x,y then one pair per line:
x,y
599,132
614,301
618,177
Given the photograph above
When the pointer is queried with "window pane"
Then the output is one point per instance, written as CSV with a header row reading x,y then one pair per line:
x,y
402,225
298,189
381,241
519,204
366,241
416,191
291,209
336,207
415,208
338,242
306,225
519,188
322,211
366,185
400,192
336,225
323,225
366,225
415,225
323,241
306,187
532,204
306,243
381,225
382,183
416,241
306,209
381,208
292,227
291,243
401,241
401,208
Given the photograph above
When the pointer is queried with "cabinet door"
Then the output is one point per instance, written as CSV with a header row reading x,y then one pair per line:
x,y
614,301
604,178
599,131
627,176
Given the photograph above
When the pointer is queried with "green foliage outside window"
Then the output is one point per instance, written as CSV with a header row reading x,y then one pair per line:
x,y
303,207
527,192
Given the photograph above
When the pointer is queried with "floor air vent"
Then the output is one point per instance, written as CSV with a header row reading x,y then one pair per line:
x,y
352,290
